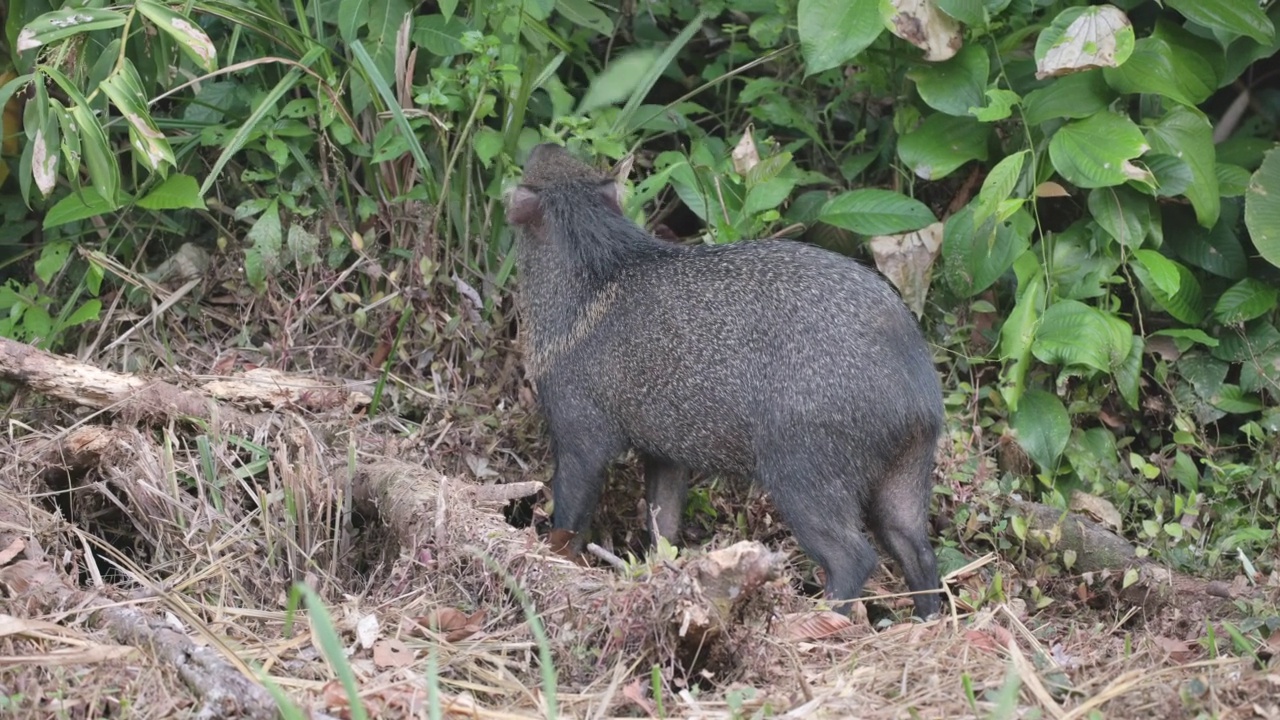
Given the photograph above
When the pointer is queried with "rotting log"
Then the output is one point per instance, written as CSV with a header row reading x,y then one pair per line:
x,y
1103,555
218,399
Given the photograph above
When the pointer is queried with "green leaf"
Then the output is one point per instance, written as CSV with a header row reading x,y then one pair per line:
x,y
124,88
941,144
352,15
1123,213
104,172
1000,107
618,80
59,24
955,85
1073,96
1172,174
1242,17
1262,208
1186,133
1159,68
1191,335
833,32
1072,333
487,144
975,256
998,185
1082,38
176,192
190,38
872,211
1128,374
442,38
263,258
767,195
53,257
1043,427
1098,151
1233,180
1217,250
75,206
1245,301
586,14
1017,335
90,310
1180,297
1232,399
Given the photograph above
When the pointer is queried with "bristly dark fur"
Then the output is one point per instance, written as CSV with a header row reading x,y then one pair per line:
x,y
774,360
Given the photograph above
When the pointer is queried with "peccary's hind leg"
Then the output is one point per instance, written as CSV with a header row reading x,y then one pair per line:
x,y
899,514
824,511
582,446
666,487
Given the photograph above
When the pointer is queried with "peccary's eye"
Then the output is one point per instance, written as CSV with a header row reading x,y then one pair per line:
x,y
523,206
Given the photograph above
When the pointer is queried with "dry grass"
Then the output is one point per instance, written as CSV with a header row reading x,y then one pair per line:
x,y
208,532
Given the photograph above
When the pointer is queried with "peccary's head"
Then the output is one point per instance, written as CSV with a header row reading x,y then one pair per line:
x,y
557,188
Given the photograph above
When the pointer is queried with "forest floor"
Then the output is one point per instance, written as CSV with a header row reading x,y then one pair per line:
x,y
152,527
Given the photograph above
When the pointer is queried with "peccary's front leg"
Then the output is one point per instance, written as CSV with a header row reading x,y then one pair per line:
x,y
583,446
666,487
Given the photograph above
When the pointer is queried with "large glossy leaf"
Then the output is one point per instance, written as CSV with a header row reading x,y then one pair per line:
x,y
956,85
1242,17
1171,284
1245,301
1043,427
619,80
1073,333
1073,96
1098,150
835,31
1217,250
1159,68
872,211
1262,208
941,144
1082,266
975,256
1123,213
586,14
440,37
176,191
1186,133
1018,333
998,186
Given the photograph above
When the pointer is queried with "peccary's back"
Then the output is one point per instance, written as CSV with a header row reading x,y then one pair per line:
x,y
700,354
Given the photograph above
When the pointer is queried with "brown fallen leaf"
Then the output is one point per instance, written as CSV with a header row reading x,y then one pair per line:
x,y
1096,507
806,626
635,692
389,652
12,550
1050,188
1179,650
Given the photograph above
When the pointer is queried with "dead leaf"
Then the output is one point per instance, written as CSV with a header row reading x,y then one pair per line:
x,y
922,24
907,260
454,624
807,626
1098,508
1088,42
745,154
1050,188
986,640
367,630
12,551
1179,650
635,692
389,652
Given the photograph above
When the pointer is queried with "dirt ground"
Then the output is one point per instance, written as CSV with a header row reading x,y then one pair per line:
x,y
152,526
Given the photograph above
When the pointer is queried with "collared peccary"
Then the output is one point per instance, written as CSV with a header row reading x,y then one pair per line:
x,y
773,360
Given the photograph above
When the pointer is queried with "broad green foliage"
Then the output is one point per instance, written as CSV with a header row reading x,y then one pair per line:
x,y
1109,201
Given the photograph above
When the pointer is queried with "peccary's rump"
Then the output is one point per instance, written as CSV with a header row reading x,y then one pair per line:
x,y
773,360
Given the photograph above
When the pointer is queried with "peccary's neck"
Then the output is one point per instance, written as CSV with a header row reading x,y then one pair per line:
x,y
569,265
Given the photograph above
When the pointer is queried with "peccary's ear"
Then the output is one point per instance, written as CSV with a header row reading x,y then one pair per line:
x,y
611,191
523,206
